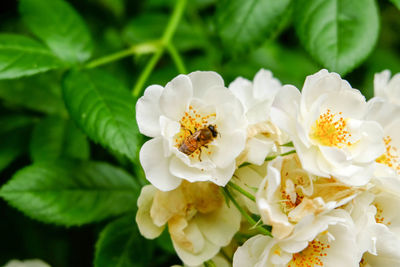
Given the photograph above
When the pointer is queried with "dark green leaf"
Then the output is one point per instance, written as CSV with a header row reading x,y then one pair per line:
x,y
339,34
22,56
13,122
55,137
244,23
104,109
121,245
12,144
59,26
71,192
39,93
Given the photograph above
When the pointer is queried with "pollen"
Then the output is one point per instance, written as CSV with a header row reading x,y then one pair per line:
x,y
330,129
391,157
311,255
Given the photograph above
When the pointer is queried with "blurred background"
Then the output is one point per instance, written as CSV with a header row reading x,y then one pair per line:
x,y
116,25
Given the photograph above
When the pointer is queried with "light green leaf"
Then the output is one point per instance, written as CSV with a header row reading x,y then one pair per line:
x,y
71,192
55,137
339,34
59,26
104,109
121,245
244,23
22,56
396,3
40,93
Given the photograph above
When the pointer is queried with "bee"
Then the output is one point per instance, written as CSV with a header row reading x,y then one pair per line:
x,y
198,139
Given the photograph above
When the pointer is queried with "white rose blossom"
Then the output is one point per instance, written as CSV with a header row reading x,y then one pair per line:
x,y
27,263
198,128
289,193
257,97
199,221
386,87
377,227
327,240
327,126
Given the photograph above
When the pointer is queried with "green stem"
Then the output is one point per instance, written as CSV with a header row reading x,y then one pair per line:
x,y
269,158
140,49
209,263
242,191
165,40
252,222
176,58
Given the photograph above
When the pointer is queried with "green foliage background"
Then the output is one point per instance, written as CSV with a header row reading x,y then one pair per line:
x,y
71,72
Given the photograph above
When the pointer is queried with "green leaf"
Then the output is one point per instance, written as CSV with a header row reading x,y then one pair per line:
x,y
59,26
104,109
15,131
40,93
55,137
121,245
244,23
339,34
71,192
22,56
396,3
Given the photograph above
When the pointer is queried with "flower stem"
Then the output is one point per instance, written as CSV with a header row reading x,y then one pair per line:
x,y
140,49
242,191
269,158
251,221
165,40
176,58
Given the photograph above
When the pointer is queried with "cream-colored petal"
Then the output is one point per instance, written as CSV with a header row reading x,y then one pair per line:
x,y
143,219
148,111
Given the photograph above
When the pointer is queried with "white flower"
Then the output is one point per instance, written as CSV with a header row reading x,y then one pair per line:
x,y
26,263
331,242
387,115
386,87
289,193
257,97
199,221
377,228
327,126
198,129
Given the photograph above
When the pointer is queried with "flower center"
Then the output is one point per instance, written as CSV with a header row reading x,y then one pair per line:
x,y
310,256
195,132
330,129
391,157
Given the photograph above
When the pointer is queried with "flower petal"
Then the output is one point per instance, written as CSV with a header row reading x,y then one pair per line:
x,y
143,219
203,81
156,165
148,111
176,96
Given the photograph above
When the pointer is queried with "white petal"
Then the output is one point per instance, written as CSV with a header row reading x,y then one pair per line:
x,y
258,149
265,85
380,83
287,100
243,90
176,96
221,225
148,111
208,249
228,147
143,219
252,251
203,81
156,165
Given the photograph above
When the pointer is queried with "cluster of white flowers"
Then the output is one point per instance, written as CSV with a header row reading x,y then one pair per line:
x,y
261,174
